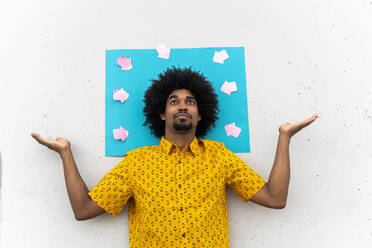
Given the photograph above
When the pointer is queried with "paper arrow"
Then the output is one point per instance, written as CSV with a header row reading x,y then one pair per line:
x,y
125,63
232,130
120,133
163,51
220,57
229,87
120,95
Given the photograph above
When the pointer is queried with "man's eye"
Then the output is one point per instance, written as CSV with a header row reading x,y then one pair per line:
x,y
190,102
173,102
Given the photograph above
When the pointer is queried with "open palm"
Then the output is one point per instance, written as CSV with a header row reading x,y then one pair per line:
x,y
291,129
57,145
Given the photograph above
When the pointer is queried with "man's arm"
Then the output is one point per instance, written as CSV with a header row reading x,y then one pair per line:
x,y
83,206
274,193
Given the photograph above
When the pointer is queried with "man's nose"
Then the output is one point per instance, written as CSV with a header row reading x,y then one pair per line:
x,y
182,106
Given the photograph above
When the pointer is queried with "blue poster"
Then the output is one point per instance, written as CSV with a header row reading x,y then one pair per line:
x,y
146,65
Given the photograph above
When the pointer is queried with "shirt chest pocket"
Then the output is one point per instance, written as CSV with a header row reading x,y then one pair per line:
x,y
203,182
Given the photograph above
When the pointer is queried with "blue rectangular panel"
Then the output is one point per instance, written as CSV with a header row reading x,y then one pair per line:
x,y
147,66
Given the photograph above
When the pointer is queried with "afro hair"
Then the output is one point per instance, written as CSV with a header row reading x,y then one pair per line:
x,y
174,79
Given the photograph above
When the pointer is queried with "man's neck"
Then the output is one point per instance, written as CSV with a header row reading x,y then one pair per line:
x,y
180,139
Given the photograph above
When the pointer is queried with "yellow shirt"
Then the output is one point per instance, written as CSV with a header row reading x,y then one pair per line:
x,y
176,198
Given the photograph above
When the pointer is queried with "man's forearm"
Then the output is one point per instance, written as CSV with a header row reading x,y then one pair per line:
x,y
274,193
280,173
76,188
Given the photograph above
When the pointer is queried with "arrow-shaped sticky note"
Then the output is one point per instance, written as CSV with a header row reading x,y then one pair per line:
x,y
120,133
163,51
229,87
124,63
220,57
120,95
232,130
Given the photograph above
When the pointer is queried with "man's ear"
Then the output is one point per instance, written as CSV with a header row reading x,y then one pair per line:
x,y
162,116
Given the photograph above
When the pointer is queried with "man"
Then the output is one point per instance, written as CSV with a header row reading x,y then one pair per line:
x,y
176,190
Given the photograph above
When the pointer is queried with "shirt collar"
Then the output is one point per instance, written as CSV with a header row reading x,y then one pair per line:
x,y
195,145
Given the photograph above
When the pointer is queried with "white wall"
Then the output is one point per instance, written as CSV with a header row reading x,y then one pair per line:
x,y
302,57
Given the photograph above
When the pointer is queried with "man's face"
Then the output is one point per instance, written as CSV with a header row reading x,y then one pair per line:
x,y
181,112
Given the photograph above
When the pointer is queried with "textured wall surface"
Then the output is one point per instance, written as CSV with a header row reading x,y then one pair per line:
x,y
302,57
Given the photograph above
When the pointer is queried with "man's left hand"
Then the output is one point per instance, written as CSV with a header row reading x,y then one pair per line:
x,y
289,129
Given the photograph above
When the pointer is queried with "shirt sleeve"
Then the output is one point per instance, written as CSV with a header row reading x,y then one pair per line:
x,y
114,189
240,178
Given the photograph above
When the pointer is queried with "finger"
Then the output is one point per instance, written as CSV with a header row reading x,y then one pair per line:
x,y
35,136
40,139
300,125
311,119
307,121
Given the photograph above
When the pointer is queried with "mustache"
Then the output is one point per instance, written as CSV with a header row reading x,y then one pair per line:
x,y
182,113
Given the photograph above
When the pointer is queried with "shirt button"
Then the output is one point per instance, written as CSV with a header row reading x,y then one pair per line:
x,y
184,235
179,161
181,209
179,185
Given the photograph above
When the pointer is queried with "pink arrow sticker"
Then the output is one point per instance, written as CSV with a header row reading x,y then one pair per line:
x,y
163,51
220,57
229,87
120,95
120,133
125,63
233,87
232,130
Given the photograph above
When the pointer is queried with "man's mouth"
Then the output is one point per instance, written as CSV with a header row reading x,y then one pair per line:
x,y
182,115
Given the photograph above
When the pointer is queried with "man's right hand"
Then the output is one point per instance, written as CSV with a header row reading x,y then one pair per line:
x,y
59,145
83,206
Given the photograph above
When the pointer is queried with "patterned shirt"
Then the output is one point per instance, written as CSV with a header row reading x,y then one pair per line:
x,y
176,198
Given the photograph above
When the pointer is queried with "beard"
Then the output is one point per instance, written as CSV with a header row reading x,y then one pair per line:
x,y
182,126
